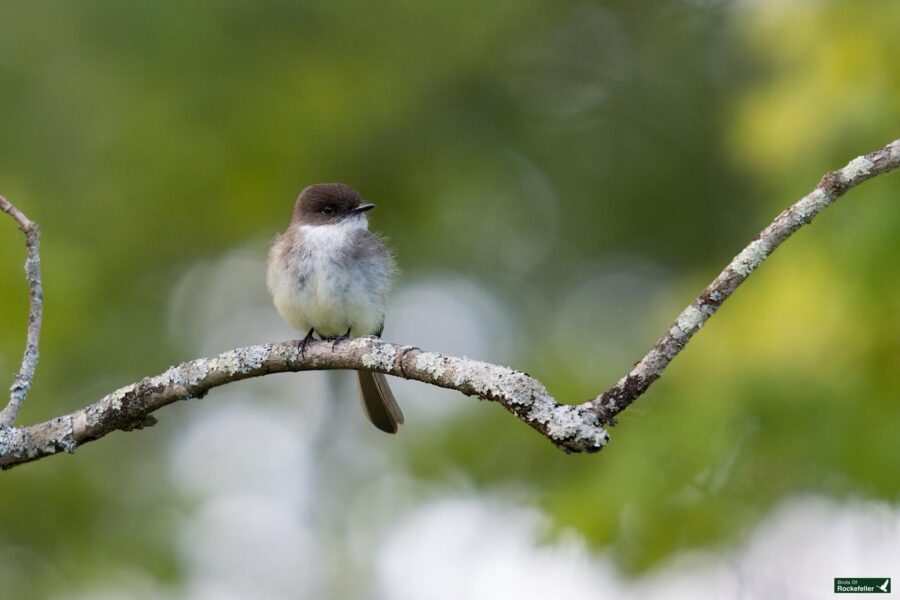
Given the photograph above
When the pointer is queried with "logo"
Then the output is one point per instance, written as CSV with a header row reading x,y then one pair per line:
x,y
862,585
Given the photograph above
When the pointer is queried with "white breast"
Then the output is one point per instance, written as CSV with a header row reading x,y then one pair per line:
x,y
316,286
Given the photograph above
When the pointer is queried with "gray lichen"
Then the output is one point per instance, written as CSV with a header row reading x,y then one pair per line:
x,y
750,258
858,167
894,150
228,362
255,356
567,425
690,319
13,441
571,423
67,434
493,381
114,400
195,372
431,363
381,356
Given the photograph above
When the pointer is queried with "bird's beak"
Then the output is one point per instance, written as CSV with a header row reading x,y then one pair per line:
x,y
362,208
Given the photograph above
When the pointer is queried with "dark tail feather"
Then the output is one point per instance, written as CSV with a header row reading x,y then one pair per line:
x,y
378,401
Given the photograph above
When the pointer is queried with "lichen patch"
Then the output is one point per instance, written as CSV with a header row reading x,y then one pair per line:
x,y
749,258
570,426
380,357
431,363
858,167
691,318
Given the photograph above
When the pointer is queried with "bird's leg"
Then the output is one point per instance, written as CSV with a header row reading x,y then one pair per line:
x,y
305,342
340,338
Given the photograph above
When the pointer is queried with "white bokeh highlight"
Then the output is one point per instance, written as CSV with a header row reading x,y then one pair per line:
x,y
472,548
456,316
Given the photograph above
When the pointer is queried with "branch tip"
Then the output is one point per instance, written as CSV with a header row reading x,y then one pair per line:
x,y
24,378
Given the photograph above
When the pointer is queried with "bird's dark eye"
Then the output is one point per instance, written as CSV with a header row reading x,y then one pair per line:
x,y
328,210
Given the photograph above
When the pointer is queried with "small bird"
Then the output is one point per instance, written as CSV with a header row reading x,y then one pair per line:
x,y
330,276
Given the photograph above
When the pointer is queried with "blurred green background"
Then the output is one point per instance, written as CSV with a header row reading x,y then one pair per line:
x,y
579,170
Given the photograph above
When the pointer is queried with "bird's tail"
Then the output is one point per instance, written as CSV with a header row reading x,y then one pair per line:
x,y
378,401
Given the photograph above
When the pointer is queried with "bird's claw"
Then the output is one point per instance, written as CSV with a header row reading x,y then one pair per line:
x,y
305,342
340,338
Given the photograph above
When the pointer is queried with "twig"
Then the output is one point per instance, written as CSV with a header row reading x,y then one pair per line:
x,y
23,379
831,187
574,428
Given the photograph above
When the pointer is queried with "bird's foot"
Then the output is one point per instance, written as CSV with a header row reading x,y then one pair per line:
x,y
340,338
305,342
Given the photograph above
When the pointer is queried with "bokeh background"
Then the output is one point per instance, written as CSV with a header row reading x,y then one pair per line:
x,y
558,180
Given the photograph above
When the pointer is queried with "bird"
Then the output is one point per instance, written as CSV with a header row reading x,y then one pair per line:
x,y
329,276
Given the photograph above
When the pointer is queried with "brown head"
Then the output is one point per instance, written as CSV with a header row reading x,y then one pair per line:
x,y
326,203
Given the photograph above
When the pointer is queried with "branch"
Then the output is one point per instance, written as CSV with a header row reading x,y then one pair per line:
x,y
573,428
22,382
831,187
569,427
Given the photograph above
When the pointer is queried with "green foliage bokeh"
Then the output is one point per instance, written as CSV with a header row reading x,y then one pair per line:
x,y
517,143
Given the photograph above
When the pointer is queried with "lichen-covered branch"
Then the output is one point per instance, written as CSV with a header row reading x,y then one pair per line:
x,y
831,187
571,428
574,428
22,381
